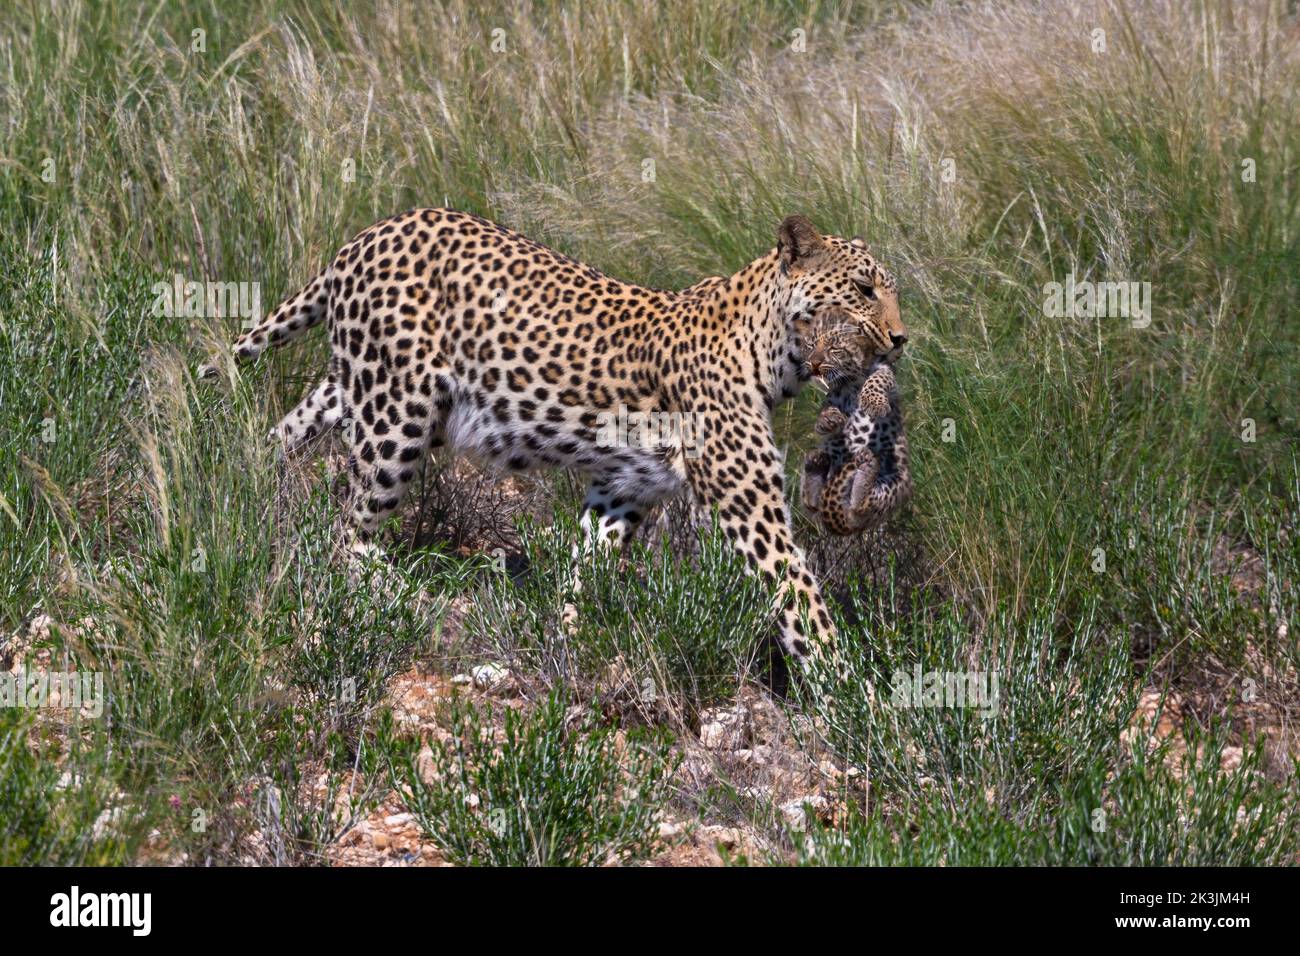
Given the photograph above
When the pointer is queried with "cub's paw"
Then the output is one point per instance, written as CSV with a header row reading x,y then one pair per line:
x,y
817,463
810,491
815,469
877,406
831,421
875,393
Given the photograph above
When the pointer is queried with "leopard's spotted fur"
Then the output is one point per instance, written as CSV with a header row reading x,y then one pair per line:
x,y
448,329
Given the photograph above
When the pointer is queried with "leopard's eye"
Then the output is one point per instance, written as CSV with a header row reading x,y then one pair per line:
x,y
866,289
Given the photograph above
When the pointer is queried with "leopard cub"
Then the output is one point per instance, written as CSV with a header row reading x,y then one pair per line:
x,y
859,475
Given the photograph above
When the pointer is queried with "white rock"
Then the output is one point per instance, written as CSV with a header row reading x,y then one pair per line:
x,y
796,811
724,729
106,821
489,676
39,629
726,837
669,830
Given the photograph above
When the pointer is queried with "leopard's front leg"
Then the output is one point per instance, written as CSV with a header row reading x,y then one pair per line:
x,y
740,474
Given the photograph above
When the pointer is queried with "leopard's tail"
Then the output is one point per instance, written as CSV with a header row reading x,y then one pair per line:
x,y
290,319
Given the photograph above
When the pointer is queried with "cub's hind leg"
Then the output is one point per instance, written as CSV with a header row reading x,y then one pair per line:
x,y
883,495
847,502
866,470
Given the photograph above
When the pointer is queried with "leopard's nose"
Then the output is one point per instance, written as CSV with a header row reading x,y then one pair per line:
x,y
898,339
816,361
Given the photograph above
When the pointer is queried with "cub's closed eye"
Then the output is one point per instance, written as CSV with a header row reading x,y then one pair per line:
x,y
868,290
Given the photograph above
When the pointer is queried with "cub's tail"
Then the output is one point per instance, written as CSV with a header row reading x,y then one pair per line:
x,y
291,318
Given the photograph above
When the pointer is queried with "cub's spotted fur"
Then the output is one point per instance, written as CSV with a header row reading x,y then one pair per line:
x,y
860,475
451,330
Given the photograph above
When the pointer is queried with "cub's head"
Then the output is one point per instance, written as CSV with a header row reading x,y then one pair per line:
x,y
834,282
840,351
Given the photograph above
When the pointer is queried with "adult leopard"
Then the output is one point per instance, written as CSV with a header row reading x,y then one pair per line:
x,y
448,329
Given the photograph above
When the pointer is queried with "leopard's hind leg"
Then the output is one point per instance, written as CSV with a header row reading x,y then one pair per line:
x,y
611,514
316,414
384,459
303,310
866,469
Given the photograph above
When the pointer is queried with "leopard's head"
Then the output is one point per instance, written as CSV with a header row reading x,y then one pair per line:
x,y
834,283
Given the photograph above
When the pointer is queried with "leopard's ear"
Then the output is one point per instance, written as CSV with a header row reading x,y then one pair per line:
x,y
798,239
